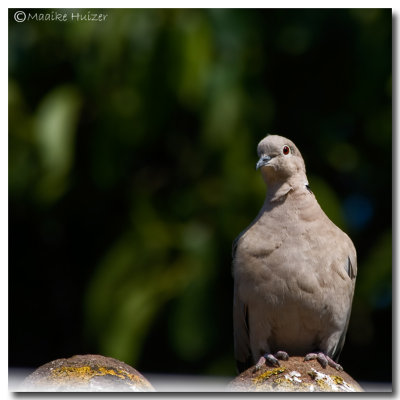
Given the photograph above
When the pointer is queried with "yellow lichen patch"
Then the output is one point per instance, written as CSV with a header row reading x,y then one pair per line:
x,y
337,379
323,385
266,375
81,373
331,383
106,371
85,373
279,381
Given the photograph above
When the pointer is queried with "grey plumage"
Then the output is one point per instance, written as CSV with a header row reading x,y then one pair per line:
x,y
294,270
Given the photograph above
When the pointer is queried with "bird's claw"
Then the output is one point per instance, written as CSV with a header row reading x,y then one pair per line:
x,y
324,360
282,355
271,359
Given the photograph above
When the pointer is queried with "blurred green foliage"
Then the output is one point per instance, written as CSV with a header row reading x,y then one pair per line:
x,y
132,151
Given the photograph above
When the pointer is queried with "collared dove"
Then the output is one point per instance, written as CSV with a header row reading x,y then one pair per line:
x,y
294,270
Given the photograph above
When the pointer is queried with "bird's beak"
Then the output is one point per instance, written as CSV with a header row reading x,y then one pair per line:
x,y
262,161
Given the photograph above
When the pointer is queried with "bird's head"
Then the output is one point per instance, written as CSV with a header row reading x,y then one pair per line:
x,y
279,159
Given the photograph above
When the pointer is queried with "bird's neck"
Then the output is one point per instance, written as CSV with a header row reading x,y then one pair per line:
x,y
277,190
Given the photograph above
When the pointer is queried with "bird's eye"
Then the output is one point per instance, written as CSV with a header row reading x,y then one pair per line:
x,y
285,150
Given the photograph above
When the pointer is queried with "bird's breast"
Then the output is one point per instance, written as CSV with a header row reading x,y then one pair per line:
x,y
281,267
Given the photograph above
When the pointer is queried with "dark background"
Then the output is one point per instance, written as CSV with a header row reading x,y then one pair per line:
x,y
132,151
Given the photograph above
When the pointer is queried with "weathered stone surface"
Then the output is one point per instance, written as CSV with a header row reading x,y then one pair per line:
x,y
86,373
294,375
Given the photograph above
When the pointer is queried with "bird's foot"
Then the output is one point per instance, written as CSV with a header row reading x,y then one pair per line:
x,y
271,359
324,360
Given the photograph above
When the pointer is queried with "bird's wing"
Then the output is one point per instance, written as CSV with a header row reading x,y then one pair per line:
x,y
350,267
241,333
263,242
